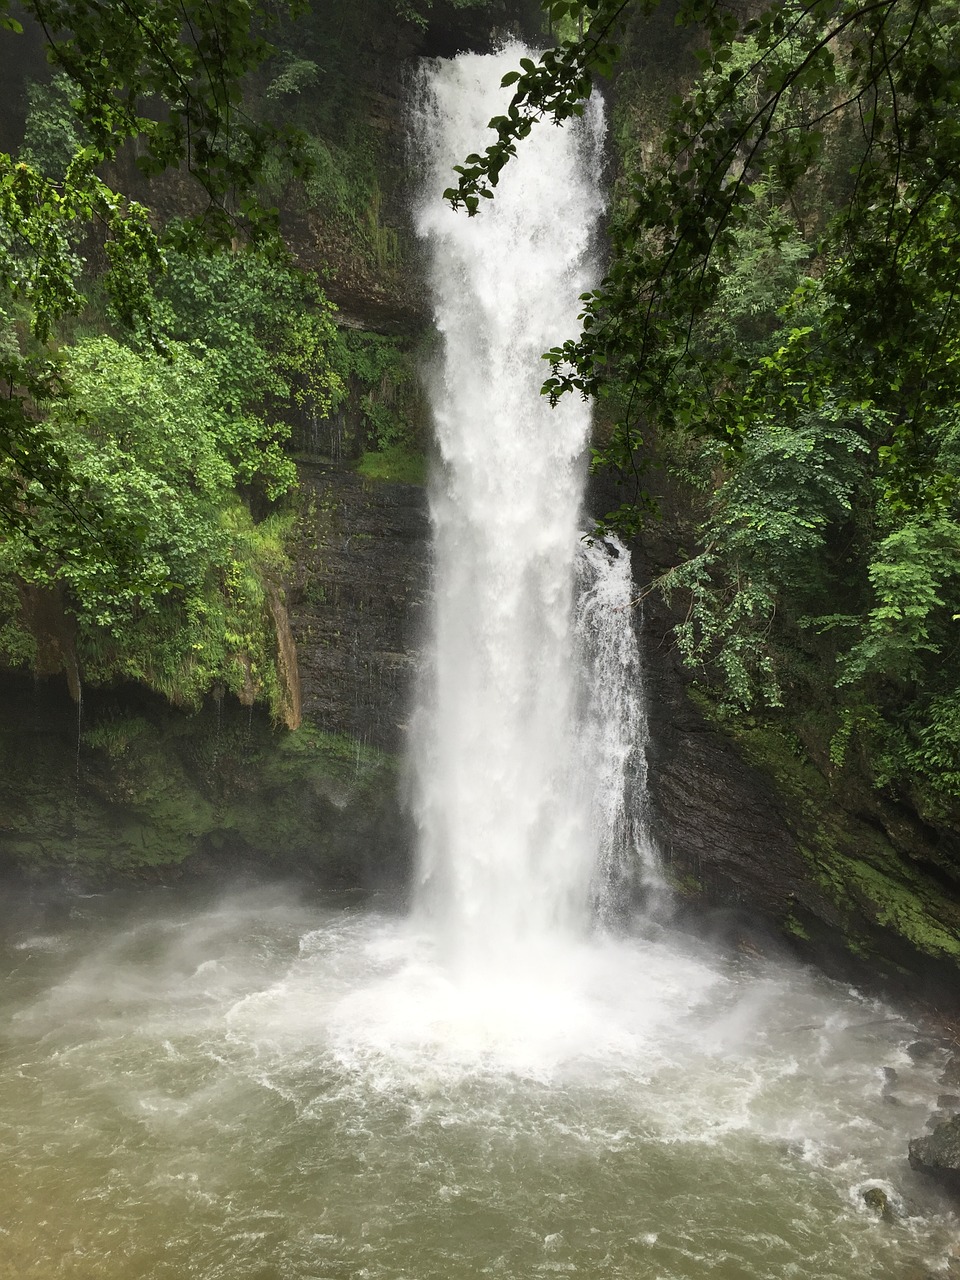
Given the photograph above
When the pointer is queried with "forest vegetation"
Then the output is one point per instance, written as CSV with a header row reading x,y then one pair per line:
x,y
159,339
777,325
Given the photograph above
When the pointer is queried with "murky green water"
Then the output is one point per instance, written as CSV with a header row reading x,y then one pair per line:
x,y
265,1087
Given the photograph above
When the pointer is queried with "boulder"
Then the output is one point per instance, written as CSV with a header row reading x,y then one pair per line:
x,y
939,1153
876,1198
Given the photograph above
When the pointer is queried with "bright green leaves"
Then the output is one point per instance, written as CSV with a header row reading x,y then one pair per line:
x,y
163,81
138,487
37,259
266,327
156,452
554,87
915,577
151,443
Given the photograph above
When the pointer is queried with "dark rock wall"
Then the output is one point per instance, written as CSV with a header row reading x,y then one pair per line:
x,y
747,823
357,601
124,785
715,817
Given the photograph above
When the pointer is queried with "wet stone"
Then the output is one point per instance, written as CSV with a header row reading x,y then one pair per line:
x,y
922,1050
876,1198
939,1154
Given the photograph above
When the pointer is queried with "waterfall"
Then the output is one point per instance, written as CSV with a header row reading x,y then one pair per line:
x,y
612,731
509,746
265,1083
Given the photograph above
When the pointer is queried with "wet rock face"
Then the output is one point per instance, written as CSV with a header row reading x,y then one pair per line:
x,y
938,1154
356,602
747,822
715,817
128,786
723,832
769,839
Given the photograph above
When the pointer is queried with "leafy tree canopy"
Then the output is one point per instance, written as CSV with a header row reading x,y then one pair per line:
x,y
161,83
150,369
168,77
780,312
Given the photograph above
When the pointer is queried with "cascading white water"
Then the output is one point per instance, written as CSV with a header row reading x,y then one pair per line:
x,y
612,735
509,840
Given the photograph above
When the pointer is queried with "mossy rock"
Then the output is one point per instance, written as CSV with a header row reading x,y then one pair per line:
x,y
892,906
131,785
395,464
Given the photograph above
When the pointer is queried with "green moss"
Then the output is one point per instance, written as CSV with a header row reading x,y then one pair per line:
x,y
145,786
853,864
394,463
793,926
902,908
886,889
686,886
115,734
331,764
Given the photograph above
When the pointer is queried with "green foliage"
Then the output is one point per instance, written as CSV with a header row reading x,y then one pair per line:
x,y
929,748
801,516
775,90
17,644
139,483
762,275
171,79
394,463
162,84
780,314
265,328
158,450
53,133
181,456
293,77
914,573
115,734
337,109
766,549
382,373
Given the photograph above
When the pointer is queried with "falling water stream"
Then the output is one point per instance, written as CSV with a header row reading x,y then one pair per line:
x,y
531,1073
508,850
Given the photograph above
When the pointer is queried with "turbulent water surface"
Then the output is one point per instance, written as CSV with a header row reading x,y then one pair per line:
x,y
530,1075
267,1088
